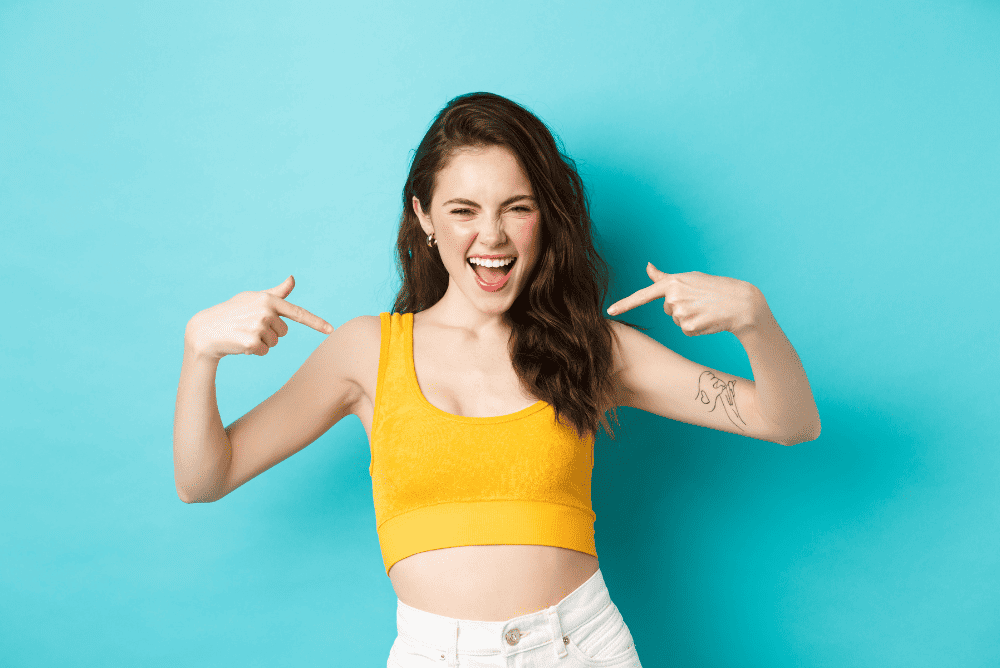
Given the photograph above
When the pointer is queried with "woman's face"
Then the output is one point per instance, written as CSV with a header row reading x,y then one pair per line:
x,y
483,205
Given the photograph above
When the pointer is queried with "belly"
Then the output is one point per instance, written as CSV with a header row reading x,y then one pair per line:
x,y
490,582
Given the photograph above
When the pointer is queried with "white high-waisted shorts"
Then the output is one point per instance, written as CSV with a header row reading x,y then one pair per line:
x,y
584,630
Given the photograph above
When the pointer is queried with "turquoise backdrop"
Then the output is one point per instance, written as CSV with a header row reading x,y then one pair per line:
x,y
157,158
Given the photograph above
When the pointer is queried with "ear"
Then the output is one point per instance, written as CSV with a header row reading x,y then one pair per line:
x,y
424,219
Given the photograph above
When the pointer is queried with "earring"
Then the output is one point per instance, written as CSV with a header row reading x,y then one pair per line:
x,y
431,241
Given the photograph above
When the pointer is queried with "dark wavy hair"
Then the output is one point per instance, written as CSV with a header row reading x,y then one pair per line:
x,y
561,343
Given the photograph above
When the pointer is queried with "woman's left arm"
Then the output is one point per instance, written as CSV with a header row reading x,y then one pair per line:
x,y
779,400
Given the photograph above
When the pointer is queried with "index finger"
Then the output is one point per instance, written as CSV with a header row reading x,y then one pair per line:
x,y
299,314
637,298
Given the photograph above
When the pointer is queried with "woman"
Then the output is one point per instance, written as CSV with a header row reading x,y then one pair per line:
x,y
482,392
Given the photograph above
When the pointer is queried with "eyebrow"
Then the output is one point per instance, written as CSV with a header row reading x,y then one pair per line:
x,y
469,202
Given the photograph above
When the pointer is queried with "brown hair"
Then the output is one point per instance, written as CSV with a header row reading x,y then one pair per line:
x,y
560,345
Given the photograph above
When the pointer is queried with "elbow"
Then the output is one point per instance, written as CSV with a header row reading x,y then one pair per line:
x,y
187,498
803,436
182,492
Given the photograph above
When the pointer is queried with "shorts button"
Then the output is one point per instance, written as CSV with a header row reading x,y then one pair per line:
x,y
513,636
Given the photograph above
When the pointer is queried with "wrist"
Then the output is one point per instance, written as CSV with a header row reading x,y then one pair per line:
x,y
196,353
756,315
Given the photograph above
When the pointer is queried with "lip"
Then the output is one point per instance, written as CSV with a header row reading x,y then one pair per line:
x,y
485,286
491,257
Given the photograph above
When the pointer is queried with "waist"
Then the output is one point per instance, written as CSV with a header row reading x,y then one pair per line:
x,y
490,582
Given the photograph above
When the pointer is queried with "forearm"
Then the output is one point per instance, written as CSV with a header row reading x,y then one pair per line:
x,y
783,396
202,451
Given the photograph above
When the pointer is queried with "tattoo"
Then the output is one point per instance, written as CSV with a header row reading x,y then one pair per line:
x,y
711,387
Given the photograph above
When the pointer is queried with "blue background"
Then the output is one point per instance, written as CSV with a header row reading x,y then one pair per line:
x,y
158,158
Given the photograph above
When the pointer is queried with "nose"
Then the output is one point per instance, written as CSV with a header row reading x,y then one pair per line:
x,y
491,231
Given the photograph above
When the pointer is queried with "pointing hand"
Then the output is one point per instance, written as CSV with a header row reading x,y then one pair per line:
x,y
248,323
699,303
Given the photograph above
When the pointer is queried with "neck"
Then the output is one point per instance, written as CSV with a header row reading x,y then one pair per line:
x,y
455,310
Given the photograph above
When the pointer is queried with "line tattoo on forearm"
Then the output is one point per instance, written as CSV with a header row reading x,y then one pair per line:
x,y
711,388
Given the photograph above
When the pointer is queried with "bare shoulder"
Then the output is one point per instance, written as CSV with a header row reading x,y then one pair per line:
x,y
362,337
622,342
337,368
362,327
623,336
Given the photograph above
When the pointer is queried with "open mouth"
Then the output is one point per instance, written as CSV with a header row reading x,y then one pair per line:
x,y
492,278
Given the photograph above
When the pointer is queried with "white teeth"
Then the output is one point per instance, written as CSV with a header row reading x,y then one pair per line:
x,y
491,263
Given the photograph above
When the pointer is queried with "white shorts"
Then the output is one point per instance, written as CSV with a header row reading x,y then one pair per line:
x,y
584,630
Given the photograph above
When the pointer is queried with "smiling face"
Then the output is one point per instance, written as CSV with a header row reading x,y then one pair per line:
x,y
483,205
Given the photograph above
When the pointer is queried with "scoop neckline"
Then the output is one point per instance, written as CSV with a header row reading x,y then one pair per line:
x,y
412,373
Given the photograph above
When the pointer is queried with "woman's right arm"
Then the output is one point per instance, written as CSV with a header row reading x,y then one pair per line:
x,y
210,461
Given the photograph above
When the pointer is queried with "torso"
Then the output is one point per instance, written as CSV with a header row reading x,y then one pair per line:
x,y
473,378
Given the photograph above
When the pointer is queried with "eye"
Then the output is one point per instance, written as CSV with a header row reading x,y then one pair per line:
x,y
462,212
523,208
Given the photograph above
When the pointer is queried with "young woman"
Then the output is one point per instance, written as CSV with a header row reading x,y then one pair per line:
x,y
482,392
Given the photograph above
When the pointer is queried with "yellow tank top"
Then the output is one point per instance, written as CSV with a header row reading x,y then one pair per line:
x,y
442,480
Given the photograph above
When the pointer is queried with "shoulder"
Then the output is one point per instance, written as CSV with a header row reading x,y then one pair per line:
x,y
364,336
357,344
632,347
364,324
357,332
622,343
638,360
350,354
623,337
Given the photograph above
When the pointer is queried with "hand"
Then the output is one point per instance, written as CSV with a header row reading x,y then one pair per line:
x,y
248,324
699,303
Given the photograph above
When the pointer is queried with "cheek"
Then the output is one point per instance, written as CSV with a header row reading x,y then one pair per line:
x,y
457,238
523,233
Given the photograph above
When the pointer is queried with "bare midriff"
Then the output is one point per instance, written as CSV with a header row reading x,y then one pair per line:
x,y
490,582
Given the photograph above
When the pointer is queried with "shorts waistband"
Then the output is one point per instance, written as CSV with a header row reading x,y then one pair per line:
x,y
506,637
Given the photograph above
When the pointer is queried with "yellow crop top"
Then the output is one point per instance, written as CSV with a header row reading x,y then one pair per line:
x,y
442,480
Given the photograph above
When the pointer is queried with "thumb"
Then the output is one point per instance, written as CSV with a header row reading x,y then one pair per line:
x,y
284,288
654,273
